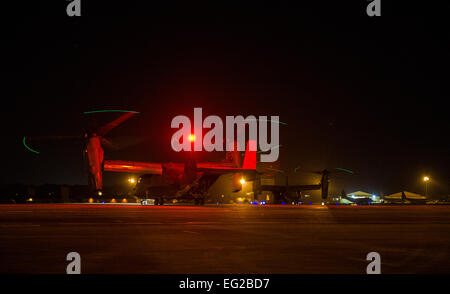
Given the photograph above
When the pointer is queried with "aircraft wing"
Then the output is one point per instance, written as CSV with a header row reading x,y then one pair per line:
x,y
284,188
305,187
226,170
216,168
133,167
156,168
105,129
248,167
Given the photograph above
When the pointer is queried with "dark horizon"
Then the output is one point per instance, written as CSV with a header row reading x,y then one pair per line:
x,y
365,94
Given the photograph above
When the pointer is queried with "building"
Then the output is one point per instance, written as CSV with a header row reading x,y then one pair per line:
x,y
405,197
360,197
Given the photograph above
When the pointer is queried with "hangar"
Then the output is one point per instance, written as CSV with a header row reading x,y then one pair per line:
x,y
405,197
360,197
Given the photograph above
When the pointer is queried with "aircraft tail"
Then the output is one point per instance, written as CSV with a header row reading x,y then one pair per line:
x,y
249,157
403,196
248,163
233,156
324,184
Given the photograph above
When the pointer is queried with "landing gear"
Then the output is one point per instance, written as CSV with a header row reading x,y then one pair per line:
x,y
159,201
199,201
279,198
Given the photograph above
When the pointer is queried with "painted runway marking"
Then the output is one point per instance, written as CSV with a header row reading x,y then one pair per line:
x,y
191,232
20,225
18,211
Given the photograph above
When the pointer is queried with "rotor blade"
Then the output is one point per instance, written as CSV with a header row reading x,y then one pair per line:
x,y
43,139
344,170
318,172
108,127
336,168
52,138
108,144
123,142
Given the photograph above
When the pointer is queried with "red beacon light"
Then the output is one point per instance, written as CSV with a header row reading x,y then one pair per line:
x,y
191,137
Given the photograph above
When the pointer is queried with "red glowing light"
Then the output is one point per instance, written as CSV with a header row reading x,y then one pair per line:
x,y
191,137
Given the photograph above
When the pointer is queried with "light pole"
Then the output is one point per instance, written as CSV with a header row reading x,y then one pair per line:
x,y
426,180
132,181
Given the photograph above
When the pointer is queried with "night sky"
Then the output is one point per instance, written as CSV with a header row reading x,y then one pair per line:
x,y
366,94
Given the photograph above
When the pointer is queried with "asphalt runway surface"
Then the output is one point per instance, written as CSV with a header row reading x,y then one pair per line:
x,y
224,239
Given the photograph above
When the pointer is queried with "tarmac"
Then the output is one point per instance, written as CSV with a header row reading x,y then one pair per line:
x,y
311,239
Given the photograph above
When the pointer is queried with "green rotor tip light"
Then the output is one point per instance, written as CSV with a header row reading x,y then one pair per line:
x,y
25,144
345,170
